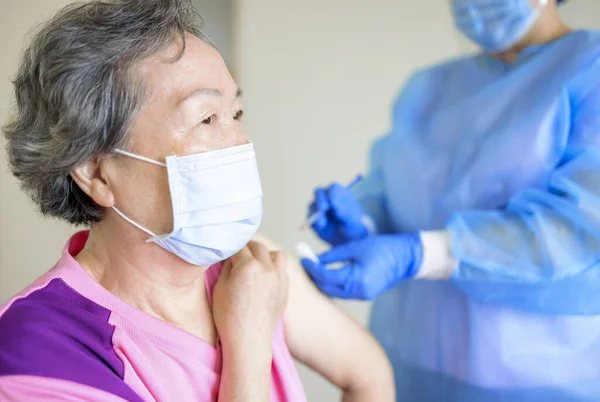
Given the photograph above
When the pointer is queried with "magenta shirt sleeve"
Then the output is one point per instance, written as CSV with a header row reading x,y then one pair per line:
x,y
56,333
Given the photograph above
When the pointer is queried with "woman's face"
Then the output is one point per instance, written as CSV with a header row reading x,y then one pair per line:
x,y
193,107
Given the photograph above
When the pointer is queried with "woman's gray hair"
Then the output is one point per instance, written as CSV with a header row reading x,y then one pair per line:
x,y
77,94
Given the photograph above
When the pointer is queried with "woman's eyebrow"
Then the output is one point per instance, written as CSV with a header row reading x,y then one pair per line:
x,y
209,92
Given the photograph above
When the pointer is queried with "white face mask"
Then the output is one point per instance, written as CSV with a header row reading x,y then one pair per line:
x,y
217,204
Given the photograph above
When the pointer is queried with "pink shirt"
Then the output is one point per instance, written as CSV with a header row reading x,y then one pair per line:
x,y
65,337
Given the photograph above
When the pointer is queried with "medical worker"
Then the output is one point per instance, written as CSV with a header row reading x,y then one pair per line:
x,y
477,228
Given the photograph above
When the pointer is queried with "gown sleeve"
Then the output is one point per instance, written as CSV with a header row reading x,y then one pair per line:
x,y
542,252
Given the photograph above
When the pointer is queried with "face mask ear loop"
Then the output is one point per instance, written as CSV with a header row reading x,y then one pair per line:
x,y
121,214
141,158
137,225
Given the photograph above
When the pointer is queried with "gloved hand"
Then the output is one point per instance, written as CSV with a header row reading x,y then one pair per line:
x,y
343,218
373,265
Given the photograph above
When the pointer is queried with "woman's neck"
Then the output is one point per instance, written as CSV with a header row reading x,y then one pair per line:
x,y
149,278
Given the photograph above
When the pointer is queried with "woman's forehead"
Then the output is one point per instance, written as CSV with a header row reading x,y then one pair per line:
x,y
200,66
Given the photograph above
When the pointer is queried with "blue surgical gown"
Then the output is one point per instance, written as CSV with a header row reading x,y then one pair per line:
x,y
507,158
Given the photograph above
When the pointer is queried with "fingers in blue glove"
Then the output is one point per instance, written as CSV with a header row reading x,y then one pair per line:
x,y
321,274
338,198
330,282
321,200
342,253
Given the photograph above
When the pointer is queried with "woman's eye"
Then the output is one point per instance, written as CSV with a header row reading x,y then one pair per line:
x,y
239,115
209,120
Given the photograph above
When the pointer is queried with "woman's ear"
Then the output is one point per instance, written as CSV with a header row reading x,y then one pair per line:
x,y
92,180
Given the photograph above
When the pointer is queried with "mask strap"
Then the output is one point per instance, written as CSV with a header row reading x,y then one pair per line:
x,y
141,158
137,225
121,214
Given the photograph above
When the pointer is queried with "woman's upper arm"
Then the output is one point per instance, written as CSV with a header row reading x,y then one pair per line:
x,y
322,336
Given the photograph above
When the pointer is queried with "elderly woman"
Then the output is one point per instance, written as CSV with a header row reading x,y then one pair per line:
x,y
128,121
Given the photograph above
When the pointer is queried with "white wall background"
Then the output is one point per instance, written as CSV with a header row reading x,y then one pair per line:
x,y
319,77
218,24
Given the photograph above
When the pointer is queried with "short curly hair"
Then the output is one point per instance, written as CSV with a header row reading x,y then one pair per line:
x,y
76,94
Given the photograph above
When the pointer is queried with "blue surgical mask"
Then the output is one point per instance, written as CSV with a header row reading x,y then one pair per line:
x,y
217,204
495,25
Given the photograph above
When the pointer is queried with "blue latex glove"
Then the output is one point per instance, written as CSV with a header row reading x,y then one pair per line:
x,y
373,265
343,218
